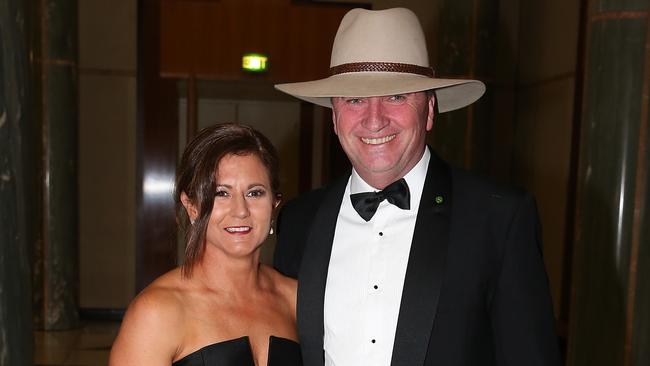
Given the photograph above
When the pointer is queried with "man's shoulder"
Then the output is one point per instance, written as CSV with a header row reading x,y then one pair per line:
x,y
311,200
483,200
294,224
475,187
307,200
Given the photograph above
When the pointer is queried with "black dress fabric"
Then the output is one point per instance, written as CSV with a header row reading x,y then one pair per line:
x,y
237,352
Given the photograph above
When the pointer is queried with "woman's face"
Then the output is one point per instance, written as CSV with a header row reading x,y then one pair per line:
x,y
243,205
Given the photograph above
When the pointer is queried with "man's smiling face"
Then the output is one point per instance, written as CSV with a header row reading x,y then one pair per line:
x,y
384,137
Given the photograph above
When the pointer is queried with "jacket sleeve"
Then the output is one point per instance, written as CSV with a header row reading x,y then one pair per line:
x,y
285,257
294,223
521,307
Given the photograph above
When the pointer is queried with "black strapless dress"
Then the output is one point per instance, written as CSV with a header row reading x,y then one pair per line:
x,y
237,352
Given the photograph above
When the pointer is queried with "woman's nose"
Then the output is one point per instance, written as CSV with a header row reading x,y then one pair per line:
x,y
240,207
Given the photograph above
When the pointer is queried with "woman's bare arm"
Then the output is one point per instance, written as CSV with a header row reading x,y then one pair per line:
x,y
151,331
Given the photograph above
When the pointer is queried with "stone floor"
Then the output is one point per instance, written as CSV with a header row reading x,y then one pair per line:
x,y
88,345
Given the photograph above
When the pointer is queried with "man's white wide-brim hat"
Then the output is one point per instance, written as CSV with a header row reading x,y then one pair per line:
x,y
383,52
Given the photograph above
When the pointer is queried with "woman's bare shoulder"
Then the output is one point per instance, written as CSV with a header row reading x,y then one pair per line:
x,y
162,298
152,329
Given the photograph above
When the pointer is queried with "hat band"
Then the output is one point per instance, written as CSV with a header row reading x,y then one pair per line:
x,y
381,67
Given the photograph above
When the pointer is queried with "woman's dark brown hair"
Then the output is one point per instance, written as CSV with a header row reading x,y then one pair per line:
x,y
196,177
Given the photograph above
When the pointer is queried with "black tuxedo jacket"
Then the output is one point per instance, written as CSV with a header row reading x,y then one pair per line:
x,y
475,292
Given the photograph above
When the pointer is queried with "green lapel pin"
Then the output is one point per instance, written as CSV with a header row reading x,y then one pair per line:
x,y
439,199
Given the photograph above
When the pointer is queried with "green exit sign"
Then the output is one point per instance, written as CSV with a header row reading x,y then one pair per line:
x,y
255,62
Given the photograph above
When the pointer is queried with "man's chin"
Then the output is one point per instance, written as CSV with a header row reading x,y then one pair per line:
x,y
380,170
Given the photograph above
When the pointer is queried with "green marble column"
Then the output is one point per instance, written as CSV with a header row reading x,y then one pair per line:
x,y
640,351
56,266
610,307
15,282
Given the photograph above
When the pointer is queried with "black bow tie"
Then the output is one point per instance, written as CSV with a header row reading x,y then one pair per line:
x,y
396,193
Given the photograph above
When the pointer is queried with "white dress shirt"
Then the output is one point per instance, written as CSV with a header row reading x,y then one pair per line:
x,y
366,275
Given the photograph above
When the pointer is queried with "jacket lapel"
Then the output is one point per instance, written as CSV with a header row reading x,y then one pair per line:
x,y
425,267
313,274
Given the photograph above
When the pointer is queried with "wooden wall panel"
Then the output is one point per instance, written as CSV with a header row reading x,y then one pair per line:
x,y
208,38
157,152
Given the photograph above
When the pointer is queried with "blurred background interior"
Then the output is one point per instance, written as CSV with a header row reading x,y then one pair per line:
x,y
98,98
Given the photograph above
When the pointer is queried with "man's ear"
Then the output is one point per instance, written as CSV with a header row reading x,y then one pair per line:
x,y
190,208
432,111
334,116
334,122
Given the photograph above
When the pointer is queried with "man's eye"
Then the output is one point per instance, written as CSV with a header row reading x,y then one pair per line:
x,y
353,100
221,193
397,98
256,193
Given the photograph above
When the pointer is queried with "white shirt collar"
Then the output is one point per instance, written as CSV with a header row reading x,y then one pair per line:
x,y
414,178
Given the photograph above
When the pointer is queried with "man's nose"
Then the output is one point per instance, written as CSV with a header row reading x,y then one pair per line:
x,y
375,119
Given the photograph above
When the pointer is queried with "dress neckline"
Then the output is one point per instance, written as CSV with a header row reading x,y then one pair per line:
x,y
245,339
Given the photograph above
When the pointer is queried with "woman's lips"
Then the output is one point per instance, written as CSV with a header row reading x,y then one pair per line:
x,y
238,229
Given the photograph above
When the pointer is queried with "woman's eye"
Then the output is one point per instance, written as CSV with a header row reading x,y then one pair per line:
x,y
256,193
220,193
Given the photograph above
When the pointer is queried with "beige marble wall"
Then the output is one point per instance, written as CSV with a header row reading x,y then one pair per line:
x,y
107,127
548,37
